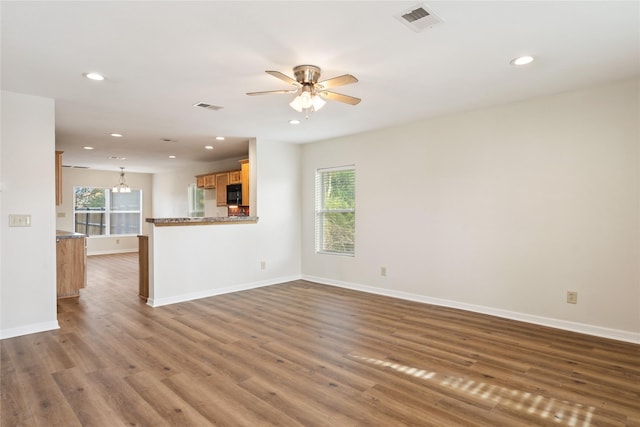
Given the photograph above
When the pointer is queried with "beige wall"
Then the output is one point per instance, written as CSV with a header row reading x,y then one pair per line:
x,y
500,210
28,261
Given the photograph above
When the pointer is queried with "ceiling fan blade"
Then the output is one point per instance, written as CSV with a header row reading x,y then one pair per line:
x,y
340,97
283,77
336,81
271,92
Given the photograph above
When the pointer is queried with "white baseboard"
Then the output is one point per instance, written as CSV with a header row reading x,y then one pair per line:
x,y
29,329
583,328
158,302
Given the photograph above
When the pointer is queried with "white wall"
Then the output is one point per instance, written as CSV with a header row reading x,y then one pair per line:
x,y
500,210
96,178
190,262
170,189
28,276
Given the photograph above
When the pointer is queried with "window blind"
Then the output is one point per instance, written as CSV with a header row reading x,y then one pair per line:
x,y
335,210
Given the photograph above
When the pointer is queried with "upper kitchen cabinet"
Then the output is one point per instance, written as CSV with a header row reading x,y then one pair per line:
x,y
235,177
222,180
209,181
244,179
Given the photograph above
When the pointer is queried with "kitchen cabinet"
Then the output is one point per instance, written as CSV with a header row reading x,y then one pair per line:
x,y
71,264
244,179
235,177
222,180
59,178
210,181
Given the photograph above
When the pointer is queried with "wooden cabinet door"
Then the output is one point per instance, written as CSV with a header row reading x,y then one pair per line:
x,y
235,177
222,180
71,267
200,181
209,181
244,176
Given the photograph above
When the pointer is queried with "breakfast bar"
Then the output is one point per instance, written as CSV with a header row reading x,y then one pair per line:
x,y
194,257
163,222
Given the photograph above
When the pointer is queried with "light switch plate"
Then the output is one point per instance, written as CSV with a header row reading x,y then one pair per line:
x,y
19,220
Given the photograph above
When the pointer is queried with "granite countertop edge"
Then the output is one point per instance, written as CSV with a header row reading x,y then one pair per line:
x,y
61,234
202,220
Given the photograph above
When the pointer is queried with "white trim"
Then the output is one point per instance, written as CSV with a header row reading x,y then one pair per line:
x,y
29,329
218,291
321,211
108,191
599,331
337,168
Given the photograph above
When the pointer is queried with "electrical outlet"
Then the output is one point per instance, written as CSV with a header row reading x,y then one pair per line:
x,y
117,241
572,297
383,271
263,265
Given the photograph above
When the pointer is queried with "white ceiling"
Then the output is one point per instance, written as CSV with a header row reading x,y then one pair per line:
x,y
161,57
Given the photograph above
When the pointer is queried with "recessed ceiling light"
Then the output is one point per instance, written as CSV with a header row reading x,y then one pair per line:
x,y
209,147
172,156
220,138
94,76
294,122
522,60
86,147
116,135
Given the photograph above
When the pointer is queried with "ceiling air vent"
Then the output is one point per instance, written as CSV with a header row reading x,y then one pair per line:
x,y
418,18
207,106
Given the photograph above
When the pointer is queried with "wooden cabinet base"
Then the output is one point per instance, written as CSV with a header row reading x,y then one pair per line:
x,y
71,266
143,260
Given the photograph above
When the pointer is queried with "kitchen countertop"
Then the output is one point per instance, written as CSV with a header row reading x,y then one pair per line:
x,y
160,222
61,234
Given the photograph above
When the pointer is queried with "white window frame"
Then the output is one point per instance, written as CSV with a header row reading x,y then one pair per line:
x,y
321,210
192,195
107,212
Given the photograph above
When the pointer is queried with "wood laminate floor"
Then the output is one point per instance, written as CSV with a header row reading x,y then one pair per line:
x,y
303,354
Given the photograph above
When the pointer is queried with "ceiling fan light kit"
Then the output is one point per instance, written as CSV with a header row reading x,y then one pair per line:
x,y
310,93
307,100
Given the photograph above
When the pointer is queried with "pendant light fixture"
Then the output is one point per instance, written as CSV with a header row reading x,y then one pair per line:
x,y
122,186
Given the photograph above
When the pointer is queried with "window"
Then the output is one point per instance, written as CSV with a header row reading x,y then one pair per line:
x,y
335,210
195,196
101,212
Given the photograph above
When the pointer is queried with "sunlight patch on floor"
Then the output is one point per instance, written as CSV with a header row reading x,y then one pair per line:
x,y
561,411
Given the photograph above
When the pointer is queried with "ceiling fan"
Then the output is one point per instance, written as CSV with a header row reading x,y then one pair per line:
x,y
311,93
